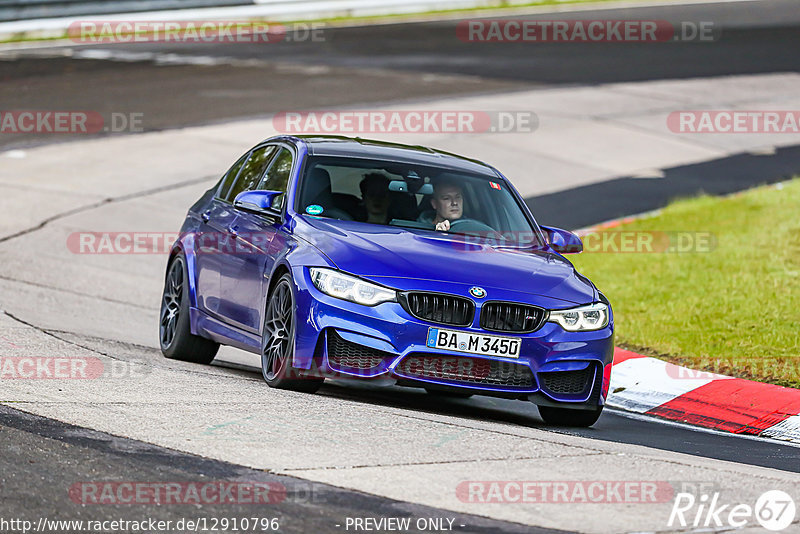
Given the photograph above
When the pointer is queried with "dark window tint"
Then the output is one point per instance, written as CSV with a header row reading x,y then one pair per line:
x,y
277,177
252,171
230,176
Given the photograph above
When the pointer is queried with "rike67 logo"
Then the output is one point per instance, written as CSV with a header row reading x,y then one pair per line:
x,y
774,510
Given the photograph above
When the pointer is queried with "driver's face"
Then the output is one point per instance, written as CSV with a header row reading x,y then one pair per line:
x,y
448,202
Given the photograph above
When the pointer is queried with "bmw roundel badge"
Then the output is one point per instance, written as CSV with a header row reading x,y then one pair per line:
x,y
477,292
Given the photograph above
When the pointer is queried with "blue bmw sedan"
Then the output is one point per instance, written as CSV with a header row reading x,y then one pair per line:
x,y
339,257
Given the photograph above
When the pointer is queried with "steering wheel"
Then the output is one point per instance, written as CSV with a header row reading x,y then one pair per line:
x,y
463,226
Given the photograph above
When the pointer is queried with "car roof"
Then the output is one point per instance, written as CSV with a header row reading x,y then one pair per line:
x,y
332,145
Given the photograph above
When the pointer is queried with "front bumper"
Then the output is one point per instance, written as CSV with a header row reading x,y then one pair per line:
x,y
555,367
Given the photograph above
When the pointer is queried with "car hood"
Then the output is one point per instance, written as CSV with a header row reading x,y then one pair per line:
x,y
373,251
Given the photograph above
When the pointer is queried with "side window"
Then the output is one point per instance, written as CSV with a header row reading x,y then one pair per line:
x,y
252,171
230,176
277,177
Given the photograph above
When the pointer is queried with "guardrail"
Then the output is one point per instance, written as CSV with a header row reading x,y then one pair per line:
x,y
35,9
20,10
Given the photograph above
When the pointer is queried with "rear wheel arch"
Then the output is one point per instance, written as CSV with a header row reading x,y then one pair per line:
x,y
180,249
175,336
176,250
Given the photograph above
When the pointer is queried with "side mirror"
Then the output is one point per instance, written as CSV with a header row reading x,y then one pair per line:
x,y
563,241
258,202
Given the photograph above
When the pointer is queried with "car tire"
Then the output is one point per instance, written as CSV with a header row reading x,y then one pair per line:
x,y
174,331
569,417
277,341
448,394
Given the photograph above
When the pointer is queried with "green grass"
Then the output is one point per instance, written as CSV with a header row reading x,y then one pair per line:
x,y
734,310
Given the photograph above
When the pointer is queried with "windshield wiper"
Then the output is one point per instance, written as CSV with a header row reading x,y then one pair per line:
x,y
410,224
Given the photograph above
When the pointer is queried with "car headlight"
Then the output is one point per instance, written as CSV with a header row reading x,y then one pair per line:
x,y
583,318
344,286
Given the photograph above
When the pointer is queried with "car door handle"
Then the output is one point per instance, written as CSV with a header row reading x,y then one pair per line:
x,y
206,216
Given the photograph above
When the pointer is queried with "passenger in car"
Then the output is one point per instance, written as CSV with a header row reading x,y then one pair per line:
x,y
375,193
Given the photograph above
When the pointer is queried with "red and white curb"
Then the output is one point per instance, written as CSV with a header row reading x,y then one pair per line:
x,y
653,387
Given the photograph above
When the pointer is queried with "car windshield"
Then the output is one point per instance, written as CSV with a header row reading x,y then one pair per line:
x,y
414,196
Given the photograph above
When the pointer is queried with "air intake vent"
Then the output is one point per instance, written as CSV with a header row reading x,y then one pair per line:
x,y
343,353
511,317
567,382
466,370
439,308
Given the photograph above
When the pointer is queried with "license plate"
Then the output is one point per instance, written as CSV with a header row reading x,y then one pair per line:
x,y
507,347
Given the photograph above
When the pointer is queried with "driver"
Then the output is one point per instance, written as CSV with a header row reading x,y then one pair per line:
x,y
448,206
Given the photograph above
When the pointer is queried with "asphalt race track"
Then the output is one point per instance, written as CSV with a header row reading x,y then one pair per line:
x,y
308,507
351,450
